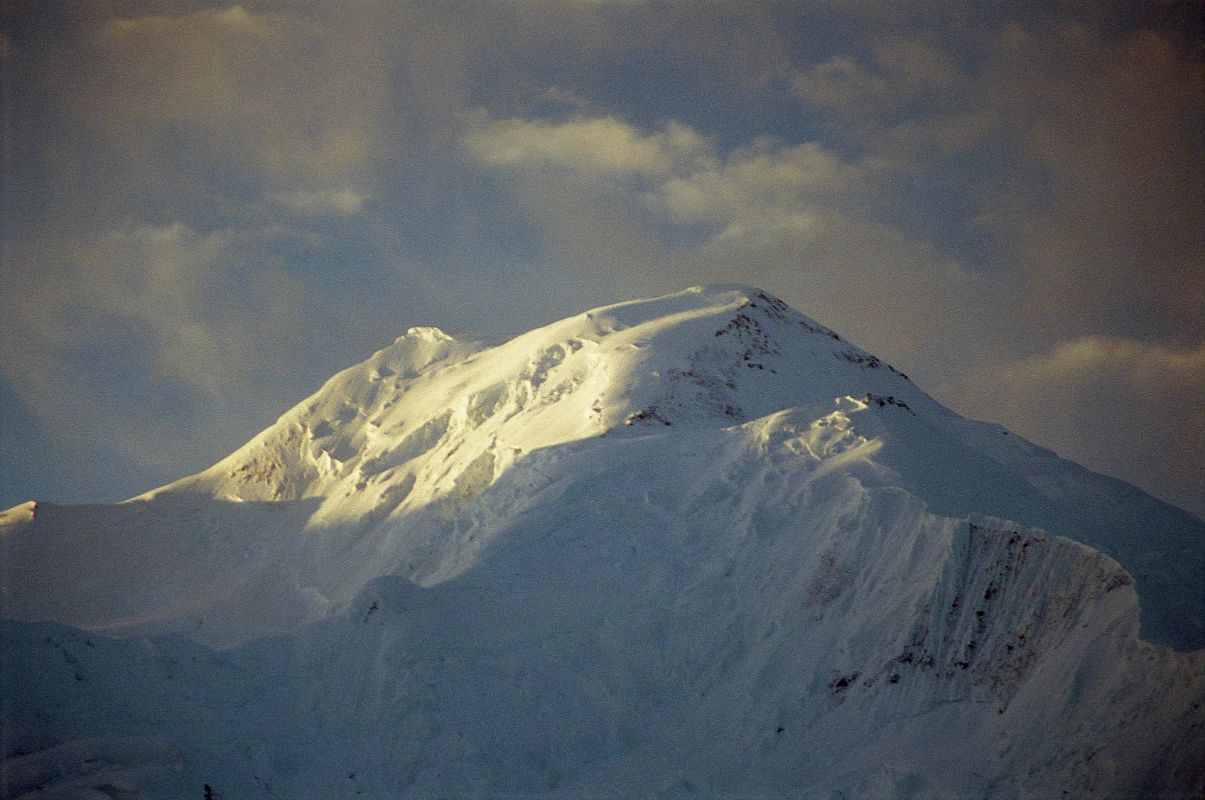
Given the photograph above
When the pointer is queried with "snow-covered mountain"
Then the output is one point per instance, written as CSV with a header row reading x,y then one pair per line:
x,y
698,545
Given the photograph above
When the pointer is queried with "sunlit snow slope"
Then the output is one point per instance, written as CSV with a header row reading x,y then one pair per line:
x,y
692,546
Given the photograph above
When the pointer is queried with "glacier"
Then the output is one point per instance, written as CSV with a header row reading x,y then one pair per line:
x,y
691,546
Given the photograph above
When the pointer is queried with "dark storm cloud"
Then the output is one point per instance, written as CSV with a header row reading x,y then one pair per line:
x,y
209,208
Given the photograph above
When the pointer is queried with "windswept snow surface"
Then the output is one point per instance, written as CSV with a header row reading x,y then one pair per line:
x,y
694,546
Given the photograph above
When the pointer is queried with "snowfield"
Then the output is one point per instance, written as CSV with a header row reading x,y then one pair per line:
x,y
693,546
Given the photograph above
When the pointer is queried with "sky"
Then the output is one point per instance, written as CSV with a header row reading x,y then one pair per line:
x,y
208,209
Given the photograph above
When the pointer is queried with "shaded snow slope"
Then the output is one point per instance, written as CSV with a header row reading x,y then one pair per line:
x,y
789,620
691,546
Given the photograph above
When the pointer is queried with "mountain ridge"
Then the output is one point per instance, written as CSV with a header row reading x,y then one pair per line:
x,y
428,421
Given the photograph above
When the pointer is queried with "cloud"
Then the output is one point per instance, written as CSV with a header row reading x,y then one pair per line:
x,y
844,85
341,202
1073,151
1127,408
144,335
901,73
300,96
1118,220
594,146
171,283
759,189
762,188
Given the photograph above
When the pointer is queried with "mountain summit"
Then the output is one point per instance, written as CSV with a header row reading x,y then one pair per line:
x,y
698,545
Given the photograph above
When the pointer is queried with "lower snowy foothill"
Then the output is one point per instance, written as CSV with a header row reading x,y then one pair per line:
x,y
693,546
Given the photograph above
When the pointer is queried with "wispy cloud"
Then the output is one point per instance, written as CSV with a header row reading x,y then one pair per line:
x,y
342,202
900,74
1073,149
1127,407
163,289
289,94
594,146
144,337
